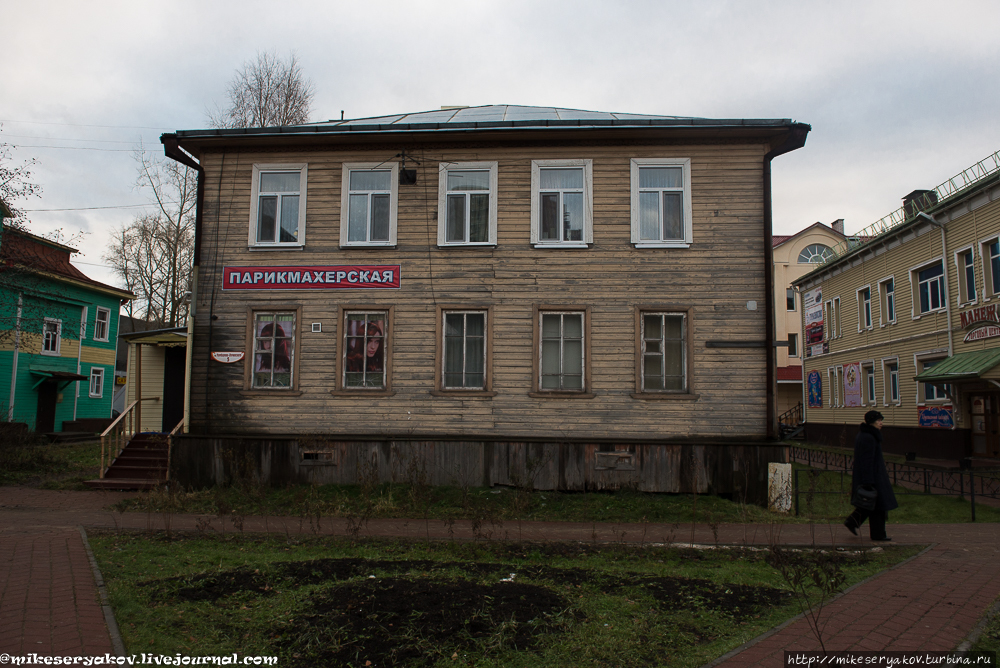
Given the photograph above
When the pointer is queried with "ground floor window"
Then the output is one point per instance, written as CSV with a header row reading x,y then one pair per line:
x,y
561,351
464,350
96,382
273,349
365,342
664,364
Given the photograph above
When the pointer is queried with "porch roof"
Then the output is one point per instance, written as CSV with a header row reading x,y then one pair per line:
x,y
963,366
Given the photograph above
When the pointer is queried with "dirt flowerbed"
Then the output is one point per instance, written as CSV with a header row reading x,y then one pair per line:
x,y
427,604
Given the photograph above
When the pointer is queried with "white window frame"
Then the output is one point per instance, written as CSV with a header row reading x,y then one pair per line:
x,y
915,312
833,374
58,337
345,202
299,243
919,359
961,272
866,317
987,267
885,297
96,372
443,192
588,203
888,382
106,322
868,375
685,165
831,315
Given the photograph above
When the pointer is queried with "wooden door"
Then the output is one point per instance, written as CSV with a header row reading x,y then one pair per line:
x,y
985,411
173,387
45,414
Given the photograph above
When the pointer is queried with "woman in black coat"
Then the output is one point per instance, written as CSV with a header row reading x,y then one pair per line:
x,y
869,470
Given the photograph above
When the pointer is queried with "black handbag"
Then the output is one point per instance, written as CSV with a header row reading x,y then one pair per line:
x,y
864,497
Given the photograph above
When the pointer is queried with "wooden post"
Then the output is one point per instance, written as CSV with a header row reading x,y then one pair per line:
x,y
138,387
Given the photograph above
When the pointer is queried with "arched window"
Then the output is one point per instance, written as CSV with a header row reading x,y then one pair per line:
x,y
814,254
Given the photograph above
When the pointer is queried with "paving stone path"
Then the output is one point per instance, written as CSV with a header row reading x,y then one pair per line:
x,y
50,605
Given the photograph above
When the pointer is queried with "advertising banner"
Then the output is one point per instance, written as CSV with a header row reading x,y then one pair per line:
x,y
812,308
311,278
815,390
852,384
935,416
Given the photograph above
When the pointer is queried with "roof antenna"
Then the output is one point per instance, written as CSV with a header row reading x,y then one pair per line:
x,y
341,114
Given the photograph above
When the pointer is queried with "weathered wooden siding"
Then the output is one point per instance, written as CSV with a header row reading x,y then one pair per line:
x,y
716,277
202,461
912,334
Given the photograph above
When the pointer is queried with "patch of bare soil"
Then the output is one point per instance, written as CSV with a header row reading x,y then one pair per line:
x,y
414,612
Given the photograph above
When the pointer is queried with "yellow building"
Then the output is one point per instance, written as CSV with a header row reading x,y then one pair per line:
x,y
905,321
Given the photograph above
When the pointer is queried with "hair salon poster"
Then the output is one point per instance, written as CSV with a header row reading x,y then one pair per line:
x,y
852,384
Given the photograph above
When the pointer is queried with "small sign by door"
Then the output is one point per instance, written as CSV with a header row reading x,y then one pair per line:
x,y
227,357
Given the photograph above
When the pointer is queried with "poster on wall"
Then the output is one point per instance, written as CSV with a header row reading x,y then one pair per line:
x,y
815,390
852,384
812,307
935,416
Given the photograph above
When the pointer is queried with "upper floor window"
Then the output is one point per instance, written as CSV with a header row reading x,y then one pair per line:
x,y
789,299
96,382
832,329
929,287
865,308
51,335
966,276
278,208
561,203
467,203
793,345
368,204
661,202
815,254
887,294
101,324
990,252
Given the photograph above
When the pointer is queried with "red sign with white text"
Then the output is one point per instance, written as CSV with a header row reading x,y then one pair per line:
x,y
338,277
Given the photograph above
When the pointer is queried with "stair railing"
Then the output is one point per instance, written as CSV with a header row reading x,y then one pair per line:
x,y
119,433
170,444
793,416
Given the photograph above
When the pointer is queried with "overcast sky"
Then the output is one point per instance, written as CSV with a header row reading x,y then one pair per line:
x,y
900,95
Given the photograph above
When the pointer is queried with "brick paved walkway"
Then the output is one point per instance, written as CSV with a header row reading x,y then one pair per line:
x,y
49,601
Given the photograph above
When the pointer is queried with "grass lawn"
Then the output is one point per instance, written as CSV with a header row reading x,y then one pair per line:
x,y
989,641
35,462
328,601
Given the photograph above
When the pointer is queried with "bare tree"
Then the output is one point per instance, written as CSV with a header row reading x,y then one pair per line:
x,y
266,92
16,184
152,255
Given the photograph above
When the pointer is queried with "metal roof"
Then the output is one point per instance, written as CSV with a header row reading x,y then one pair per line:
x,y
963,366
498,116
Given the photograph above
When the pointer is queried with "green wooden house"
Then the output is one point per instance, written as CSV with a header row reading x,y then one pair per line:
x,y
58,334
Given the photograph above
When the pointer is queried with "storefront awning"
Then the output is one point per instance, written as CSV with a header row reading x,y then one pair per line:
x,y
964,366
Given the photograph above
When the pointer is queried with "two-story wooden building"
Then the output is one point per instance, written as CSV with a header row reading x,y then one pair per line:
x,y
904,319
582,298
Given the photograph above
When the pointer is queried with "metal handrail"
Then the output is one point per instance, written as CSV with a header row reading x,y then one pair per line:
x,y
170,445
117,435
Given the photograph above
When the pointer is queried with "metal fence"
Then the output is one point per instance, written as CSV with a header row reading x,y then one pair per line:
x,y
926,480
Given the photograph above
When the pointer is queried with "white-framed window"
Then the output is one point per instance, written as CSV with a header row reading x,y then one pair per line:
x,y
278,206
467,203
793,345
102,324
96,382
887,301
789,299
966,269
868,380
832,328
365,350
890,381
51,336
989,252
865,308
930,392
661,202
369,194
815,254
561,352
833,377
273,350
664,352
562,212
464,343
928,288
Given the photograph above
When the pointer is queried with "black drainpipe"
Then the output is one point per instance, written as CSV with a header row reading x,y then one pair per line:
x,y
796,138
